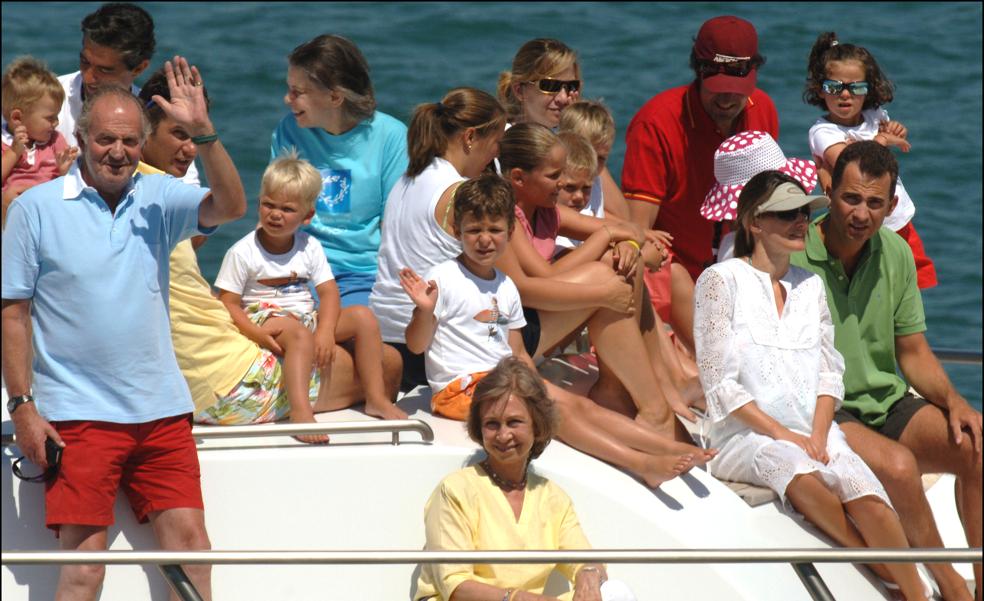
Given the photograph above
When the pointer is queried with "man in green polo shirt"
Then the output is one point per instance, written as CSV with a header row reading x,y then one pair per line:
x,y
879,324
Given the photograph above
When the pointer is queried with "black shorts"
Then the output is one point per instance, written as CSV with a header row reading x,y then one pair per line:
x,y
899,415
531,333
414,373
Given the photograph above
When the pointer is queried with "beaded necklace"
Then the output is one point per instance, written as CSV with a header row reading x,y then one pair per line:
x,y
503,483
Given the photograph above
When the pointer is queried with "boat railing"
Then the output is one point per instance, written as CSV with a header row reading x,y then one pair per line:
x,y
801,559
394,427
952,355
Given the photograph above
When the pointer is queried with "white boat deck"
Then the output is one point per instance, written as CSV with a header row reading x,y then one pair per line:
x,y
363,493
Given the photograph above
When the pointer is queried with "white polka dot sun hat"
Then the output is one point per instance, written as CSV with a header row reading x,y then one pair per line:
x,y
739,158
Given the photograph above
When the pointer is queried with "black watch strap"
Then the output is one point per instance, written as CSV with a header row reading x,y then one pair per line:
x,y
14,402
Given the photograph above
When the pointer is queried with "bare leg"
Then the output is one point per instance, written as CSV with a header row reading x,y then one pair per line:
x,y
81,582
344,388
183,529
298,345
682,305
928,436
811,497
578,427
880,527
357,323
897,469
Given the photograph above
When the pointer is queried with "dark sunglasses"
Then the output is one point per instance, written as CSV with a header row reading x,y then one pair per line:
x,y
791,214
735,69
554,86
834,87
53,453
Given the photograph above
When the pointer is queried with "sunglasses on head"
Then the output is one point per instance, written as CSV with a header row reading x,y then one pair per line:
x,y
834,87
735,69
548,85
791,214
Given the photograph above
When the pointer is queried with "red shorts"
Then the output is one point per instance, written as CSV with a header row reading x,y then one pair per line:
x,y
454,400
156,463
925,270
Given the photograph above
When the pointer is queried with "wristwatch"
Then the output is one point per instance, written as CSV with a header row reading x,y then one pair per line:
x,y
14,402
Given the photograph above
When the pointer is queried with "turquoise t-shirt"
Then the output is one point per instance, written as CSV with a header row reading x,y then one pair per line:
x,y
358,169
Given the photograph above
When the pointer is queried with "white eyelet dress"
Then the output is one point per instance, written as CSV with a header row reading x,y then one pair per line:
x,y
747,353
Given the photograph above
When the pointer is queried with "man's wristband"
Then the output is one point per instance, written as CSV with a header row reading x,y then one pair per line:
x,y
634,243
199,140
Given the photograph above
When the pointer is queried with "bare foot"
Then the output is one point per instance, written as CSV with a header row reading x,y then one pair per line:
x,y
309,438
385,410
701,456
658,469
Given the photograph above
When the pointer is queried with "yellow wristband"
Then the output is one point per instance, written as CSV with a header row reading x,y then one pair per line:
x,y
635,244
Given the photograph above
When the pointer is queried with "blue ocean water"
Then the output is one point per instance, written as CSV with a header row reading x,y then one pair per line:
x,y
629,52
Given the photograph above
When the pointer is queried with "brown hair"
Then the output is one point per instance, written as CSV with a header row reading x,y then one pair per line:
x,y
827,49
513,376
487,195
26,81
590,119
335,63
873,160
525,146
536,59
758,190
581,156
434,123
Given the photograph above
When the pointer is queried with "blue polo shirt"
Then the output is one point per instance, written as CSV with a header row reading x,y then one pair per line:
x,y
358,169
98,284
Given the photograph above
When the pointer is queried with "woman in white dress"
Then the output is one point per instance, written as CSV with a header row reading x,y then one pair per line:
x,y
773,379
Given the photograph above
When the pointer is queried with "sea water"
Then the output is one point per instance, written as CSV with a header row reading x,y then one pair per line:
x,y
628,53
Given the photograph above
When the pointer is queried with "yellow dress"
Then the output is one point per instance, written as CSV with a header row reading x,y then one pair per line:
x,y
468,512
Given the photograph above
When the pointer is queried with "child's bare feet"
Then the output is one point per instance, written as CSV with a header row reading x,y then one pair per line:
x,y
308,438
658,469
385,410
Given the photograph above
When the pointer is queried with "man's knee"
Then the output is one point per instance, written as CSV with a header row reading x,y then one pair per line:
x,y
898,468
84,576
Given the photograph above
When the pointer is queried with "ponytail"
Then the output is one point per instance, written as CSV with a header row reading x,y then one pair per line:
x,y
435,123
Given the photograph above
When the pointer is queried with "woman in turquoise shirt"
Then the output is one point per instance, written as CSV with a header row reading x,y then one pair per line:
x,y
360,152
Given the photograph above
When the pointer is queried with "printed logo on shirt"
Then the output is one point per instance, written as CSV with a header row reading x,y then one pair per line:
x,y
336,192
493,319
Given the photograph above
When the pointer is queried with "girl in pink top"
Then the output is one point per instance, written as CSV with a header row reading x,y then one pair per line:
x,y
591,285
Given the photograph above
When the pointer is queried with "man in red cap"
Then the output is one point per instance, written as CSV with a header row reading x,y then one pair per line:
x,y
669,159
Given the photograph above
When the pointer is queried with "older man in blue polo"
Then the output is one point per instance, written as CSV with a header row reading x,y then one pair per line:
x,y
85,268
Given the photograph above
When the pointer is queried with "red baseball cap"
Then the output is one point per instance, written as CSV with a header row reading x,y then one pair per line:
x,y
724,41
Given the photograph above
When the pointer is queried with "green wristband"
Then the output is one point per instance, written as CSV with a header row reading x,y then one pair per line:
x,y
199,140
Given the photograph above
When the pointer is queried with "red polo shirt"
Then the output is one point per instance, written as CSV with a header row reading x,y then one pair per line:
x,y
669,161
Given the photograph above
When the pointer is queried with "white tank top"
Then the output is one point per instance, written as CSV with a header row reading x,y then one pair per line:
x,y
411,238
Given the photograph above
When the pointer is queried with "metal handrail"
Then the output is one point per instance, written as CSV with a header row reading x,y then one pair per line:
x,y
611,556
393,426
952,355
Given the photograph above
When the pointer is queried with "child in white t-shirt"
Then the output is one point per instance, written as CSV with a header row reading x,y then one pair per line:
x,y
468,314
265,283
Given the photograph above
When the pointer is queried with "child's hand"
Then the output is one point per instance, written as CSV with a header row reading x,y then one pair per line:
x,y
324,347
423,294
894,134
660,238
893,127
625,256
21,140
65,158
268,340
653,256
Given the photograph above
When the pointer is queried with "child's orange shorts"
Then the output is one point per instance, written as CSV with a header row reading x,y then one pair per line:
x,y
454,400
925,270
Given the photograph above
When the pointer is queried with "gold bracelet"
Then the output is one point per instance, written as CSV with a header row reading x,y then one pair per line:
x,y
611,237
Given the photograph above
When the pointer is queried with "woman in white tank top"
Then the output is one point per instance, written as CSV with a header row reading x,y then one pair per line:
x,y
448,142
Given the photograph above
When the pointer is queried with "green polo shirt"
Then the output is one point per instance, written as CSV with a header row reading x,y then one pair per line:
x,y
881,301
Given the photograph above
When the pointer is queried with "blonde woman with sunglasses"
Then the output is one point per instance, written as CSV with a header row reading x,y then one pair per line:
x,y
545,78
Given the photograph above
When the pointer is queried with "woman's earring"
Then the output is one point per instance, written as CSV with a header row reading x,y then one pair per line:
x,y
468,147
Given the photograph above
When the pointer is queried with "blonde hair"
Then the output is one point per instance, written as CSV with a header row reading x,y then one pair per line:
x,y
581,155
536,59
434,123
293,177
26,81
590,119
525,146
